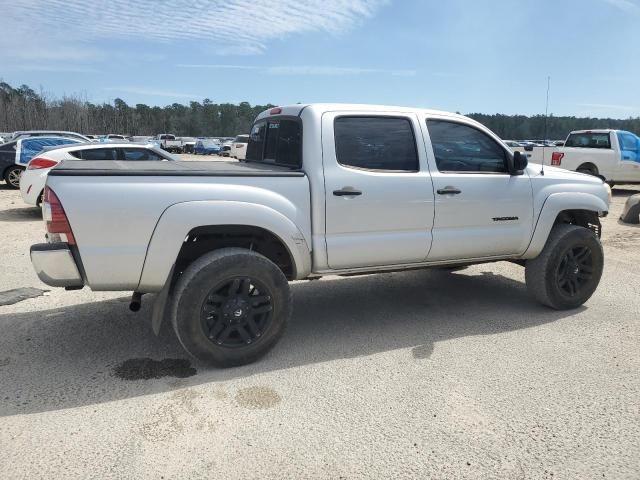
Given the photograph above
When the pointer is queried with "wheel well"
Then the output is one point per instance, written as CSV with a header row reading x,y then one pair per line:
x,y
588,166
205,239
583,218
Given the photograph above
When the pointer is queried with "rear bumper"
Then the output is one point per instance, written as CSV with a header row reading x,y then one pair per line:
x,y
55,265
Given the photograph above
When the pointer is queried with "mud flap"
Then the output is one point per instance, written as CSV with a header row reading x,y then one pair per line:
x,y
161,304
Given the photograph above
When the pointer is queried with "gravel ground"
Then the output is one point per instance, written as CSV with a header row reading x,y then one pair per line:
x,y
423,374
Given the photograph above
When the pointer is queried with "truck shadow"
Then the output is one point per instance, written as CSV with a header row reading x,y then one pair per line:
x,y
25,214
625,192
64,358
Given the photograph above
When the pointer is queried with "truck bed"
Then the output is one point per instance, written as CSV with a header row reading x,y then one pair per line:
x,y
117,168
114,207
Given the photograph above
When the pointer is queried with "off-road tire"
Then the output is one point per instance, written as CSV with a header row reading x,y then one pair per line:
x,y
543,276
194,288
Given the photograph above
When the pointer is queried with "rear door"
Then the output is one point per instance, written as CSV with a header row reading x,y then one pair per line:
x,y
481,210
379,196
629,169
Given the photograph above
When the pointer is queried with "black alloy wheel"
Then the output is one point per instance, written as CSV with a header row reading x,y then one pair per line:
x,y
237,312
575,270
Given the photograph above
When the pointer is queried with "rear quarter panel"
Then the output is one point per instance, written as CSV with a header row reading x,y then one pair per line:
x,y
606,160
113,218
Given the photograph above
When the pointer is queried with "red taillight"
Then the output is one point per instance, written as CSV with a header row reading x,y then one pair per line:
x,y
40,162
275,111
56,219
556,158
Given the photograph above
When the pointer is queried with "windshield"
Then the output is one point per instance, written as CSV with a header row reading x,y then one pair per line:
x,y
276,141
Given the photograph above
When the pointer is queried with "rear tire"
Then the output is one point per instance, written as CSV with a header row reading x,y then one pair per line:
x,y
12,176
568,270
231,307
588,169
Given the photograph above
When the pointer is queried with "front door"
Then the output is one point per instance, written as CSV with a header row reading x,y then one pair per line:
x,y
481,210
379,195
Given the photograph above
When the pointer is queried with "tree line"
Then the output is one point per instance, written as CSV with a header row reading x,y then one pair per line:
x,y
23,108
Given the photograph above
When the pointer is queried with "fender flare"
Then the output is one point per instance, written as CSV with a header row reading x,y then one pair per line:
x,y
180,218
553,205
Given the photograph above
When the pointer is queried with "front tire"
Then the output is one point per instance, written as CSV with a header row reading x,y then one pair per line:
x,y
231,307
568,270
12,176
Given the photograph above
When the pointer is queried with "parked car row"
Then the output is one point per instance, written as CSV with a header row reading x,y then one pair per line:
x,y
22,146
16,154
612,155
33,179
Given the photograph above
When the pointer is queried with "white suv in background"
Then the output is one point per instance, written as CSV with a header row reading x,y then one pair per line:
x,y
239,147
33,179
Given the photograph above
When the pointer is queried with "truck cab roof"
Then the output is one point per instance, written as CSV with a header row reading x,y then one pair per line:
x,y
319,108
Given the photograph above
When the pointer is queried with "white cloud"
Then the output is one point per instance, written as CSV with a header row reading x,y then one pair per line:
x,y
152,92
216,66
59,68
605,106
317,70
628,6
333,71
67,28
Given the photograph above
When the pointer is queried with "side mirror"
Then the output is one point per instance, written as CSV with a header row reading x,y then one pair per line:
x,y
518,163
528,148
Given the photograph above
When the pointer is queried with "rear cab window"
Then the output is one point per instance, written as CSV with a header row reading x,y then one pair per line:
x,y
589,140
276,141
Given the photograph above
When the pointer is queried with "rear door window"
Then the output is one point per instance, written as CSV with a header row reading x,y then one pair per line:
x,y
139,154
628,141
376,143
96,154
277,141
589,140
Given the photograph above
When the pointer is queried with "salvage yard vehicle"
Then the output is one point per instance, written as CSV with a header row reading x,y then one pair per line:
x,y
15,155
326,189
49,133
239,147
613,155
169,143
33,179
205,146
112,137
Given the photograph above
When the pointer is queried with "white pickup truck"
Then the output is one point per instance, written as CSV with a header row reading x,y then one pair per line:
x,y
170,143
613,155
326,189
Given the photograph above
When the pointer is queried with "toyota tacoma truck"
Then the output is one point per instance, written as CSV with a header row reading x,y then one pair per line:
x,y
325,189
613,155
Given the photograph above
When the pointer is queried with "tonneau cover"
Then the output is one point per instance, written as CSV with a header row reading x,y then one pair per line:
x,y
91,168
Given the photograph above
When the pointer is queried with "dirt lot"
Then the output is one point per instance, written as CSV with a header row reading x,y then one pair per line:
x,y
424,374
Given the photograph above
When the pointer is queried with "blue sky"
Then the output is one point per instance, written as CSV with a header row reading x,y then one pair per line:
x,y
490,56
